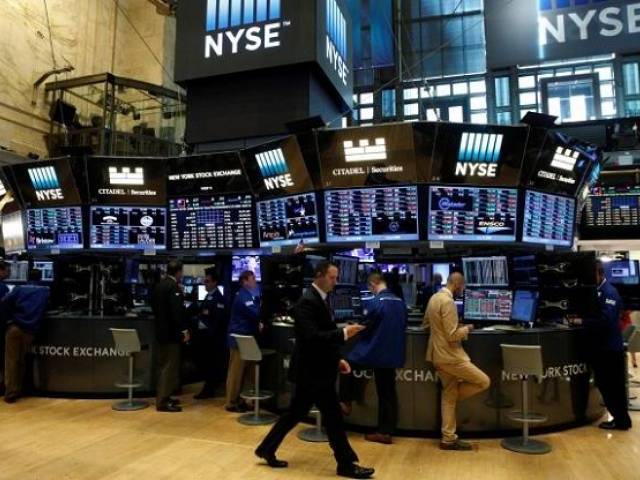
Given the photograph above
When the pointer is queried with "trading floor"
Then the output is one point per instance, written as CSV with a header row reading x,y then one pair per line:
x,y
53,439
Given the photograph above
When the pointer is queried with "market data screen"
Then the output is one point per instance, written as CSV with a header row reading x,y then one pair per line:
x,y
217,221
548,219
288,220
612,212
488,305
50,228
385,213
486,271
128,227
472,214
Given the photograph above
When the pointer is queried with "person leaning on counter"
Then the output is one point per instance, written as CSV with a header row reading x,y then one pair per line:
x,y
460,378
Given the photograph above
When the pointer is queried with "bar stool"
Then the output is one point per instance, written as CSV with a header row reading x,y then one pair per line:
x,y
250,352
632,345
314,434
524,360
127,341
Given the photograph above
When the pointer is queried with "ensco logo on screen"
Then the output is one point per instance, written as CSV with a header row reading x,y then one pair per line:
x,y
236,25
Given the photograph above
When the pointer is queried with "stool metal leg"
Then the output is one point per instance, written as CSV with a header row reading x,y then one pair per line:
x,y
314,434
257,418
524,444
130,404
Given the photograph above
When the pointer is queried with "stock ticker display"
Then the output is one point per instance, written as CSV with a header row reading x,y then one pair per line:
x,y
128,227
49,228
488,304
472,214
611,212
218,221
548,219
288,220
385,213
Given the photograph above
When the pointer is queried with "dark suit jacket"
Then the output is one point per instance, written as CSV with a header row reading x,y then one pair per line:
x,y
167,303
318,341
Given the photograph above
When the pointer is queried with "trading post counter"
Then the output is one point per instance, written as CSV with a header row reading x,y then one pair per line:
x,y
75,355
566,395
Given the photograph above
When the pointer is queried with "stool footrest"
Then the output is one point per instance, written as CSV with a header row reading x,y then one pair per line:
x,y
128,385
253,395
518,416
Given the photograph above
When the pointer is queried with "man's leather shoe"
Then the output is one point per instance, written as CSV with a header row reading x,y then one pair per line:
x,y
379,438
10,399
355,471
169,407
271,459
612,425
457,445
174,401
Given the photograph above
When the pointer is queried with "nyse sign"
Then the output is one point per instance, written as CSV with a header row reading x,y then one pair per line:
x,y
336,40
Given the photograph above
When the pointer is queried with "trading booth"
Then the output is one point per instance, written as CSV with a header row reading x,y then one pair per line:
x,y
498,203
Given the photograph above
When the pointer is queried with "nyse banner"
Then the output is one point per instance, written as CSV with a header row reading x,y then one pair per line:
x,y
49,183
359,157
521,32
206,174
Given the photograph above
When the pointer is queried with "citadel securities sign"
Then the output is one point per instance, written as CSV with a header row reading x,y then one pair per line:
x,y
521,32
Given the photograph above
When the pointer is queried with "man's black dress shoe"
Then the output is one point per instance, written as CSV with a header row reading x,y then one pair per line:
x,y
174,401
169,407
271,459
612,425
355,471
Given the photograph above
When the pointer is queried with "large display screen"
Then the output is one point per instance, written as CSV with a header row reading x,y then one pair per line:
x,y
548,219
622,272
288,220
206,174
472,214
611,213
488,305
13,232
385,213
128,227
245,263
47,184
486,271
51,228
220,221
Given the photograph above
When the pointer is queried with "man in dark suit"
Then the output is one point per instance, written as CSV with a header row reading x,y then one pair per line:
x,y
167,303
317,360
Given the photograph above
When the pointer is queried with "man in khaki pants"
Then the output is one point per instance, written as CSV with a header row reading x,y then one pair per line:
x,y
460,378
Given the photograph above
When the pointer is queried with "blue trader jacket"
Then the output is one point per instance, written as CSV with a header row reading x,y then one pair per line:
x,y
24,306
606,329
245,315
382,343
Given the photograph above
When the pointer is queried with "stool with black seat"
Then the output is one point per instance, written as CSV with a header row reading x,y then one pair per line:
x,y
251,352
526,361
128,342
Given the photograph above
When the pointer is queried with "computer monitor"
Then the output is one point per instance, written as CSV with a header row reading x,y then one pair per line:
x,y
622,272
202,292
444,269
488,304
486,271
47,270
525,303
244,263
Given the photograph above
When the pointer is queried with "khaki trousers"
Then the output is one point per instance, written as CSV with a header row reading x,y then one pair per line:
x,y
168,371
459,381
17,345
238,371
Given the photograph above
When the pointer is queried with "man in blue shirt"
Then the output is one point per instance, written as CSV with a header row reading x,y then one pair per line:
x,y
382,347
24,308
245,320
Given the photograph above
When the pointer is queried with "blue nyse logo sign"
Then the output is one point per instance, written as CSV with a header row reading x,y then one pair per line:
x,y
274,169
479,154
336,40
46,184
242,25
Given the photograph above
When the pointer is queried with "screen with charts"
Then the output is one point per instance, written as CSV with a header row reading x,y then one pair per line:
x,y
488,305
548,219
288,220
622,272
473,214
47,270
218,221
385,213
486,271
128,227
50,228
611,213
245,263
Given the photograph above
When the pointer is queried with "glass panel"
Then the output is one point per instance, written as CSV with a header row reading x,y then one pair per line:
x,y
433,115
388,103
478,103
632,108
571,100
604,73
460,88
479,117
631,78
528,98
502,92
526,82
503,118
477,87
606,90
453,61
456,114
427,92
430,8
443,90
366,113
411,109
608,108
410,93
366,98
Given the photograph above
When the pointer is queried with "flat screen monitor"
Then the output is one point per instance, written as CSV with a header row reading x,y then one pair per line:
x,y
471,214
244,263
364,255
57,227
372,214
13,232
488,305
611,213
47,270
444,269
288,220
19,272
128,227
486,271
622,272
213,221
348,267
548,219
525,271
525,303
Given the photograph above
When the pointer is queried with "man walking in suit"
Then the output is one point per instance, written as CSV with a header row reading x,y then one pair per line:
x,y
460,378
167,303
317,360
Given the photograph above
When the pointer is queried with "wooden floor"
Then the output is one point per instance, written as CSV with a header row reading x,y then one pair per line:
x,y
84,439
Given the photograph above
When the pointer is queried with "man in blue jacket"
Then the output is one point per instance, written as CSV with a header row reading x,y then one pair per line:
x,y
245,320
24,308
382,347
